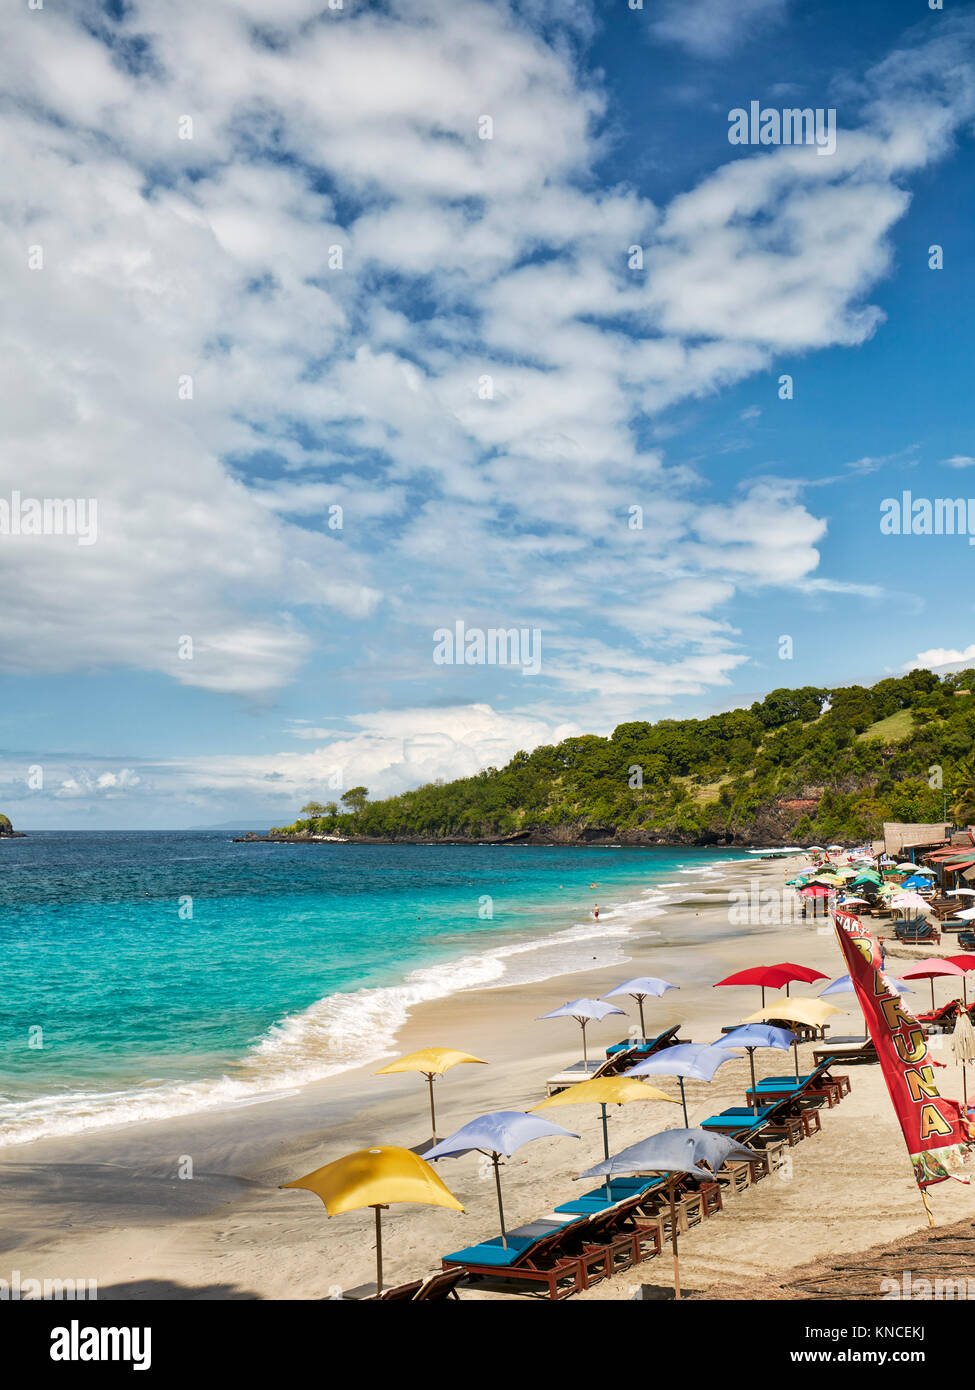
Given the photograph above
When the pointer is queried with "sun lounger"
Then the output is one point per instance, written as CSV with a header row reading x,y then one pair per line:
x,y
966,940
743,1123
618,1059
615,1240
940,1020
816,1085
693,1205
791,1114
607,1195
859,1052
535,1254
735,1176
644,1047
434,1288
571,1075
916,932
566,1254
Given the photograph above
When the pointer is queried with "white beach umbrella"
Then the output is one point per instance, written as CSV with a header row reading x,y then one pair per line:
x,y
914,902
963,1046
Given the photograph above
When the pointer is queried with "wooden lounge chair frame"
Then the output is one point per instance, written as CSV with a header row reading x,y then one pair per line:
x,y
544,1262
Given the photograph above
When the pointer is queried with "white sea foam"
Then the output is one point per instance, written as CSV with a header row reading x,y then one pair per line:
x,y
341,1031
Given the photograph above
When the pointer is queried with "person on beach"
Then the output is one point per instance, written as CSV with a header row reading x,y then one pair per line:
x,y
595,912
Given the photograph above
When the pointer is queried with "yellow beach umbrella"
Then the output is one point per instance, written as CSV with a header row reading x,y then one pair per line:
x,y
375,1178
431,1062
603,1091
812,1012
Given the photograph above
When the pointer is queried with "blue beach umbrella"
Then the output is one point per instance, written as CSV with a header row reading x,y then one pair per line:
x,y
696,1060
498,1135
583,1011
639,989
752,1035
674,1152
844,985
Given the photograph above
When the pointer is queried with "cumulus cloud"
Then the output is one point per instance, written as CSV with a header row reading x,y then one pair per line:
x,y
377,309
937,657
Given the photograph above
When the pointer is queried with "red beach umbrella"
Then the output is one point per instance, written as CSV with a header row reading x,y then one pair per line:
x,y
772,977
932,969
964,963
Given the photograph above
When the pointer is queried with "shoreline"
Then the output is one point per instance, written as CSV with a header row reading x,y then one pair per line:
x,y
624,839
277,1059
112,1205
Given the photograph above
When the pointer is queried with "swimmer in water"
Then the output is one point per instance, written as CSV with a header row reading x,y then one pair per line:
x,y
595,912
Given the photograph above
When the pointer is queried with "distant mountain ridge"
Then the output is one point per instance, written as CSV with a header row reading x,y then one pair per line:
x,y
805,764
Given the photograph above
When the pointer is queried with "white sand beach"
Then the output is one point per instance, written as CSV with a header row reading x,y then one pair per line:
x,y
118,1205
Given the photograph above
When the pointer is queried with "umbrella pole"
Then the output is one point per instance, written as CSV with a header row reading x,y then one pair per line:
x,y
585,1054
683,1100
379,1249
433,1111
605,1132
931,983
672,1186
927,1207
643,1026
751,1063
795,1053
496,1158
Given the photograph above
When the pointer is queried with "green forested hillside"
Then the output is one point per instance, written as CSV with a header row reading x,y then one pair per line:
x,y
812,764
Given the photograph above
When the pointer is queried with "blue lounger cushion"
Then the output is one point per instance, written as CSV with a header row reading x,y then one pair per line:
x,y
598,1199
740,1118
492,1252
767,1082
640,1044
746,1112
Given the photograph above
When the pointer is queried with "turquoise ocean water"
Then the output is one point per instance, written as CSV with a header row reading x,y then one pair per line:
x,y
298,961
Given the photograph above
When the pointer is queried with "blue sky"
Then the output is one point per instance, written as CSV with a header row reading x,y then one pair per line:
x,y
282,272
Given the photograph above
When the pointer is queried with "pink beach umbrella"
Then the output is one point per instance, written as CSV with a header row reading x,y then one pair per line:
x,y
932,969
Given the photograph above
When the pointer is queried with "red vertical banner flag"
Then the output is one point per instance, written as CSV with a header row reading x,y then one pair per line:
x,y
937,1133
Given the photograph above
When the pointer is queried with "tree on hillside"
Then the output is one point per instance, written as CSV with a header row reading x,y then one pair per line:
x,y
354,799
963,792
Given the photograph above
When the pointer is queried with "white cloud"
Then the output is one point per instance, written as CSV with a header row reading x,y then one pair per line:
x,y
935,657
959,461
712,28
210,258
